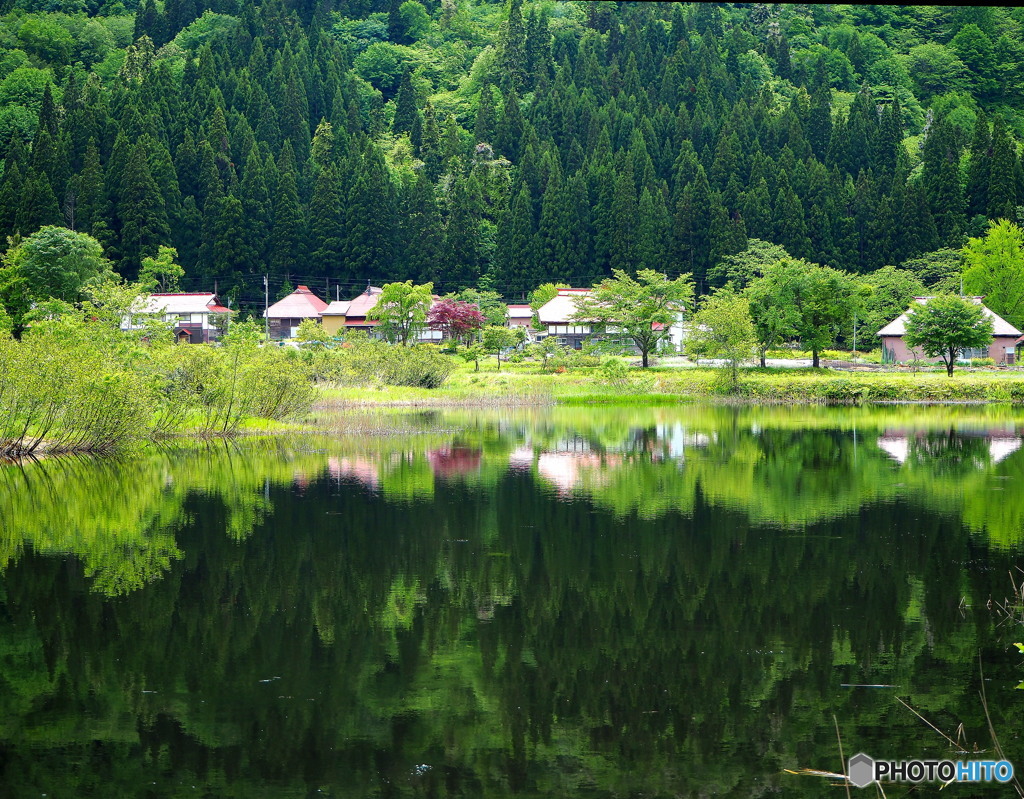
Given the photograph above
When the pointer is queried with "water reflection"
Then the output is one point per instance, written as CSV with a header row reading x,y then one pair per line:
x,y
657,601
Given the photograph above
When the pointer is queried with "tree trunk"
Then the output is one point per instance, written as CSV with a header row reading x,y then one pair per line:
x,y
815,362
764,358
643,358
498,354
950,362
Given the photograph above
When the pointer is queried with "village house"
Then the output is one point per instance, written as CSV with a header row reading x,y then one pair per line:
x,y
197,317
520,316
342,316
1001,350
558,316
285,316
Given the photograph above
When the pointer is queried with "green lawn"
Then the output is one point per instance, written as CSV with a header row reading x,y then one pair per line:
x,y
526,384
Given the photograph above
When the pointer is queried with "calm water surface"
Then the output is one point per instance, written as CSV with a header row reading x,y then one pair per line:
x,y
566,602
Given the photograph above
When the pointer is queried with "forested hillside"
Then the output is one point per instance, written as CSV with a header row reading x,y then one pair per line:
x,y
504,145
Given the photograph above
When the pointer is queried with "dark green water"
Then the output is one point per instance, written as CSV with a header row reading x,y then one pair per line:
x,y
573,602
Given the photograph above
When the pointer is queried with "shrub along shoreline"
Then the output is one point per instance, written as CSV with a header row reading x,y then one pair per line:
x,y
70,386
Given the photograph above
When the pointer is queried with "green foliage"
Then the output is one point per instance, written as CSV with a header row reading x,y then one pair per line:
x,y
362,360
642,307
994,269
743,268
947,324
891,292
162,273
722,328
773,304
55,262
313,333
489,303
840,135
496,338
402,309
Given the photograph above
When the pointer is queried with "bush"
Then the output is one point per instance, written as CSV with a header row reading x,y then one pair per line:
x,y
59,392
361,360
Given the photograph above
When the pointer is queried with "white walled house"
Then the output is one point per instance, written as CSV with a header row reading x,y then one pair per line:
x,y
197,318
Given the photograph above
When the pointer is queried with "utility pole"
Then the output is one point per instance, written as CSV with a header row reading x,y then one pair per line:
x,y
266,308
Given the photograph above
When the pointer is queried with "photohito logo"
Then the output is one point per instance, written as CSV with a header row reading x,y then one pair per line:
x,y
862,770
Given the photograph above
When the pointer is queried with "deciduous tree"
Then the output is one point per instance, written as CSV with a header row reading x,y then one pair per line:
x,y
947,324
643,307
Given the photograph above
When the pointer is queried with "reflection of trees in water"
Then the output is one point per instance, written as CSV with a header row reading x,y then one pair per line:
x,y
506,639
655,632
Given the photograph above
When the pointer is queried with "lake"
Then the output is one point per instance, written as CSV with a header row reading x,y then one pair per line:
x,y
679,601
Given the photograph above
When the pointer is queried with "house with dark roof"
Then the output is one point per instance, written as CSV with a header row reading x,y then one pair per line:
x,y
1001,350
285,315
197,317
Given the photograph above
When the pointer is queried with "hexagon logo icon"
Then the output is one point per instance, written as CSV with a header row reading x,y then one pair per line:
x,y
861,770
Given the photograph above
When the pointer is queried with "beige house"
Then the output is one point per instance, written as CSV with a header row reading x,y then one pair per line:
x,y
1001,350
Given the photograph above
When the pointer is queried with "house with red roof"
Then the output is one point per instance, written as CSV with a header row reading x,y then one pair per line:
x,y
285,315
198,318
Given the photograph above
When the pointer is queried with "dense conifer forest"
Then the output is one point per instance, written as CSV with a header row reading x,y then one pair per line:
x,y
504,145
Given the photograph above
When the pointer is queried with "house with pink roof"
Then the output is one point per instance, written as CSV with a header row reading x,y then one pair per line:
x,y
342,316
285,315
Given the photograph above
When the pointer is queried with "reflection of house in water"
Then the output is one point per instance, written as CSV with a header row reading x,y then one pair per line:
x,y
521,458
454,460
565,469
677,439
360,469
897,443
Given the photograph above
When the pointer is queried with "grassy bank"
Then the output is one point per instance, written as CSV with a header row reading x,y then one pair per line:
x,y
522,384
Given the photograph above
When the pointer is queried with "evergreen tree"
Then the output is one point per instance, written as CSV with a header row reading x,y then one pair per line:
x,y
405,105
1002,185
287,243
370,221
515,256
327,223
144,225
423,238
979,168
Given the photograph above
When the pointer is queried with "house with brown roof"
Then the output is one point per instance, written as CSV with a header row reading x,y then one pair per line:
x,y
198,317
285,315
1001,350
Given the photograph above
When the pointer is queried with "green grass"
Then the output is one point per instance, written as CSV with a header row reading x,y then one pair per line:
x,y
526,384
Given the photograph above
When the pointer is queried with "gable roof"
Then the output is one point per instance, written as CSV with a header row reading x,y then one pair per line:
x,y
300,304
560,309
337,308
520,312
1000,327
359,306
180,303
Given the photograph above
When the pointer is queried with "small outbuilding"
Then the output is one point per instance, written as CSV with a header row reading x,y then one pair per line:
x,y
286,315
1002,349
